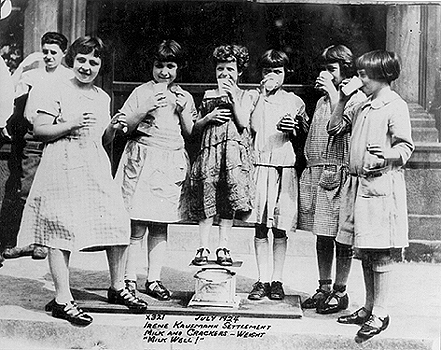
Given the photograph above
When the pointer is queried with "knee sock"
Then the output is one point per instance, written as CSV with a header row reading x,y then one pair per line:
x,y
117,257
156,250
225,226
279,254
368,275
325,258
261,248
59,267
204,231
343,266
131,264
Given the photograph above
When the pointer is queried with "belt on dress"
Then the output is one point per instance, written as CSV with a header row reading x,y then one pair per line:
x,y
372,173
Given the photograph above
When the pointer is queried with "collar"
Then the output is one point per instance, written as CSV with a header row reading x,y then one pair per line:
x,y
386,98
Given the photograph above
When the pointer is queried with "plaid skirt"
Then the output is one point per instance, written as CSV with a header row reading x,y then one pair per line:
x,y
74,203
319,199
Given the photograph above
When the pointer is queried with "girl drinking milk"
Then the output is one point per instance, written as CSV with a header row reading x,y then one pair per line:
x,y
155,163
221,175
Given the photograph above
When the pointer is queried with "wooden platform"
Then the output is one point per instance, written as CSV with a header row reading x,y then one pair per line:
x,y
266,308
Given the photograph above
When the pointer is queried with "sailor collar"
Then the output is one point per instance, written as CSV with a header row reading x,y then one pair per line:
x,y
384,100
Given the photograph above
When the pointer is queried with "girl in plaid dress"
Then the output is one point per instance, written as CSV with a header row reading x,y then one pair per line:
x,y
155,163
74,204
321,183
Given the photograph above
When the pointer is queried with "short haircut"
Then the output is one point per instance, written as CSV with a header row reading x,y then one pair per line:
x,y
54,38
85,45
232,53
380,65
169,51
342,55
273,58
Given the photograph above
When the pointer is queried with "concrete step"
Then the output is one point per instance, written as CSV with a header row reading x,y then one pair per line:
x,y
130,332
423,123
424,135
26,288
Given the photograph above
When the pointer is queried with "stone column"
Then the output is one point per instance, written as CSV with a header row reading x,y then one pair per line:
x,y
413,32
73,18
41,16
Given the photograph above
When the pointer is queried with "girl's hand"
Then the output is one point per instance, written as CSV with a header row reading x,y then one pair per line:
x,y
326,85
287,124
376,150
85,121
153,102
230,87
119,123
181,101
343,97
219,116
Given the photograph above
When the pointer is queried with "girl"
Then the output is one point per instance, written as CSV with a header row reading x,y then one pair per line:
x,y
74,202
373,212
221,175
154,163
277,118
322,181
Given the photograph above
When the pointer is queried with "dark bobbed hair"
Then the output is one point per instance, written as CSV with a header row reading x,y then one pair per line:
x,y
273,58
85,45
380,65
54,38
342,55
169,51
232,53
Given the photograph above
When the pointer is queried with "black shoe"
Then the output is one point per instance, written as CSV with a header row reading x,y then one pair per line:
x,y
37,252
201,258
225,258
333,303
259,291
317,299
276,291
126,298
71,312
355,317
131,286
156,290
373,326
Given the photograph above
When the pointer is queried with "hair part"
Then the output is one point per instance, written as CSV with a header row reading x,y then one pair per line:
x,y
380,65
55,38
342,55
85,45
169,51
273,58
232,53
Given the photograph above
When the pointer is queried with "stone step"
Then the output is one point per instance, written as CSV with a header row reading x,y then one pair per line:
x,y
115,332
422,123
425,134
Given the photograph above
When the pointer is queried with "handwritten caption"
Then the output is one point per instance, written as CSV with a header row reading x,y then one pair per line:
x,y
158,329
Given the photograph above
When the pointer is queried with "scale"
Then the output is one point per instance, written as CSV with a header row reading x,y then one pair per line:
x,y
215,285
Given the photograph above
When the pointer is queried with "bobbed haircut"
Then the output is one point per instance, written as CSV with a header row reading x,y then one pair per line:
x,y
232,53
85,45
380,65
54,38
273,58
169,51
342,55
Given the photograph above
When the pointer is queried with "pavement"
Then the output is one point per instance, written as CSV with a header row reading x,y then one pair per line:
x,y
414,307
